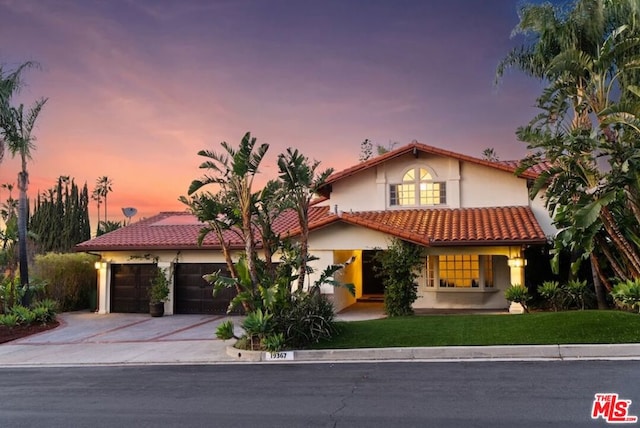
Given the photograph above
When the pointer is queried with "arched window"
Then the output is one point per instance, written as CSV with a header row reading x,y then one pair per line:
x,y
417,188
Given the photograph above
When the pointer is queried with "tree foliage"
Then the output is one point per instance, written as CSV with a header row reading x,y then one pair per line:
x,y
301,180
399,269
588,56
60,218
278,315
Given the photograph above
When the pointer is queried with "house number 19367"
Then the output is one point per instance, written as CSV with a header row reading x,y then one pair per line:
x,y
279,355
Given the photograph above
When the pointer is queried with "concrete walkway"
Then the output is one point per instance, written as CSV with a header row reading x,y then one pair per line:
x,y
88,339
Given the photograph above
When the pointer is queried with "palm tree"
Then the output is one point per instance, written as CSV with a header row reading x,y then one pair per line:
x,y
234,171
96,196
10,83
103,187
269,203
20,140
301,182
490,155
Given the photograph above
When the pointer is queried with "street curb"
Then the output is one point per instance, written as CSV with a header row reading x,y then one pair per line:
x,y
449,353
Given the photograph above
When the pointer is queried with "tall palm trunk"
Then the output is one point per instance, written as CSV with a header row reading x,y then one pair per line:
x,y
105,207
249,248
597,284
23,182
629,253
304,248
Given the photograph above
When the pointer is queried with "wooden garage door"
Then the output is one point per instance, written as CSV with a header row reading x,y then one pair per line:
x,y
130,287
193,295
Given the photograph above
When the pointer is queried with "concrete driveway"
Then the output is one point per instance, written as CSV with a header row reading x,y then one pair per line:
x,y
89,338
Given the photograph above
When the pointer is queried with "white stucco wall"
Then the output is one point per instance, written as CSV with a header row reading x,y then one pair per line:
x,y
542,215
369,189
359,193
481,186
468,184
341,236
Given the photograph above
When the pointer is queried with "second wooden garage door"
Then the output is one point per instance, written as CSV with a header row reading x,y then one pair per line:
x,y
193,295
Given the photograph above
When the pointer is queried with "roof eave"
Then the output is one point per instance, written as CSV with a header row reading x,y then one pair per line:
x,y
153,248
488,242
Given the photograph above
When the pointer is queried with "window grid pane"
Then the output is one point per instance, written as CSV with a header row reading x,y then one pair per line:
x,y
432,271
393,194
406,194
459,271
424,175
432,193
488,271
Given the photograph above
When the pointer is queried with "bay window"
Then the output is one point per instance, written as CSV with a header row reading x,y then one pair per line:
x,y
460,271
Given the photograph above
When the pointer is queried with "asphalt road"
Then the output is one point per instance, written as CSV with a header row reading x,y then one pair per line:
x,y
474,394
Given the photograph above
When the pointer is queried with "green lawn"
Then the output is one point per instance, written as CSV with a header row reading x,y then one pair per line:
x,y
527,329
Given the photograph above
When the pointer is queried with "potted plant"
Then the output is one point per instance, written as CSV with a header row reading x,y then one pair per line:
x,y
158,293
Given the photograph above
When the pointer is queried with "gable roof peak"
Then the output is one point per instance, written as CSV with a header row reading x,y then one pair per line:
x,y
416,148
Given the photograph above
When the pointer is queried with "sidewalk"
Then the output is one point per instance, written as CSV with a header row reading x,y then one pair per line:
x,y
89,339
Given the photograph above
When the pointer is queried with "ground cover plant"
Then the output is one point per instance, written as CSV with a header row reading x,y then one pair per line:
x,y
20,321
539,328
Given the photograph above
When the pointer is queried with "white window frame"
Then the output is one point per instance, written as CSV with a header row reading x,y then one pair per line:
x,y
486,273
417,185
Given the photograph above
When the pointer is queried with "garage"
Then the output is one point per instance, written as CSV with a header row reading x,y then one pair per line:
x,y
129,287
193,295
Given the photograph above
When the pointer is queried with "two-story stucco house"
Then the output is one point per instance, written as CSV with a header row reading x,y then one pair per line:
x,y
473,217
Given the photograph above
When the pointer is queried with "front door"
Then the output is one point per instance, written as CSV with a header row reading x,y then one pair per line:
x,y
371,283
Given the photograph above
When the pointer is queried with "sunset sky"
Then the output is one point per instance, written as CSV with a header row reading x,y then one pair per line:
x,y
137,87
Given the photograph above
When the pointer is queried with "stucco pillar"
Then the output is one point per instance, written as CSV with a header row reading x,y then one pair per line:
x,y
168,305
104,270
516,266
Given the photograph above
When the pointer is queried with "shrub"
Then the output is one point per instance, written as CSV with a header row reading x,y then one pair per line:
x,y
45,311
25,315
8,320
518,294
71,278
578,293
553,293
274,342
305,319
257,325
225,330
159,290
10,292
626,295
398,266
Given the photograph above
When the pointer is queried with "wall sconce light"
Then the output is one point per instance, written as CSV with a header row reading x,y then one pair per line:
x,y
100,265
516,262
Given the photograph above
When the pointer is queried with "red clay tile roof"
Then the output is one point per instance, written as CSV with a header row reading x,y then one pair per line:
x,y
165,231
416,147
429,227
464,226
180,230
536,169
